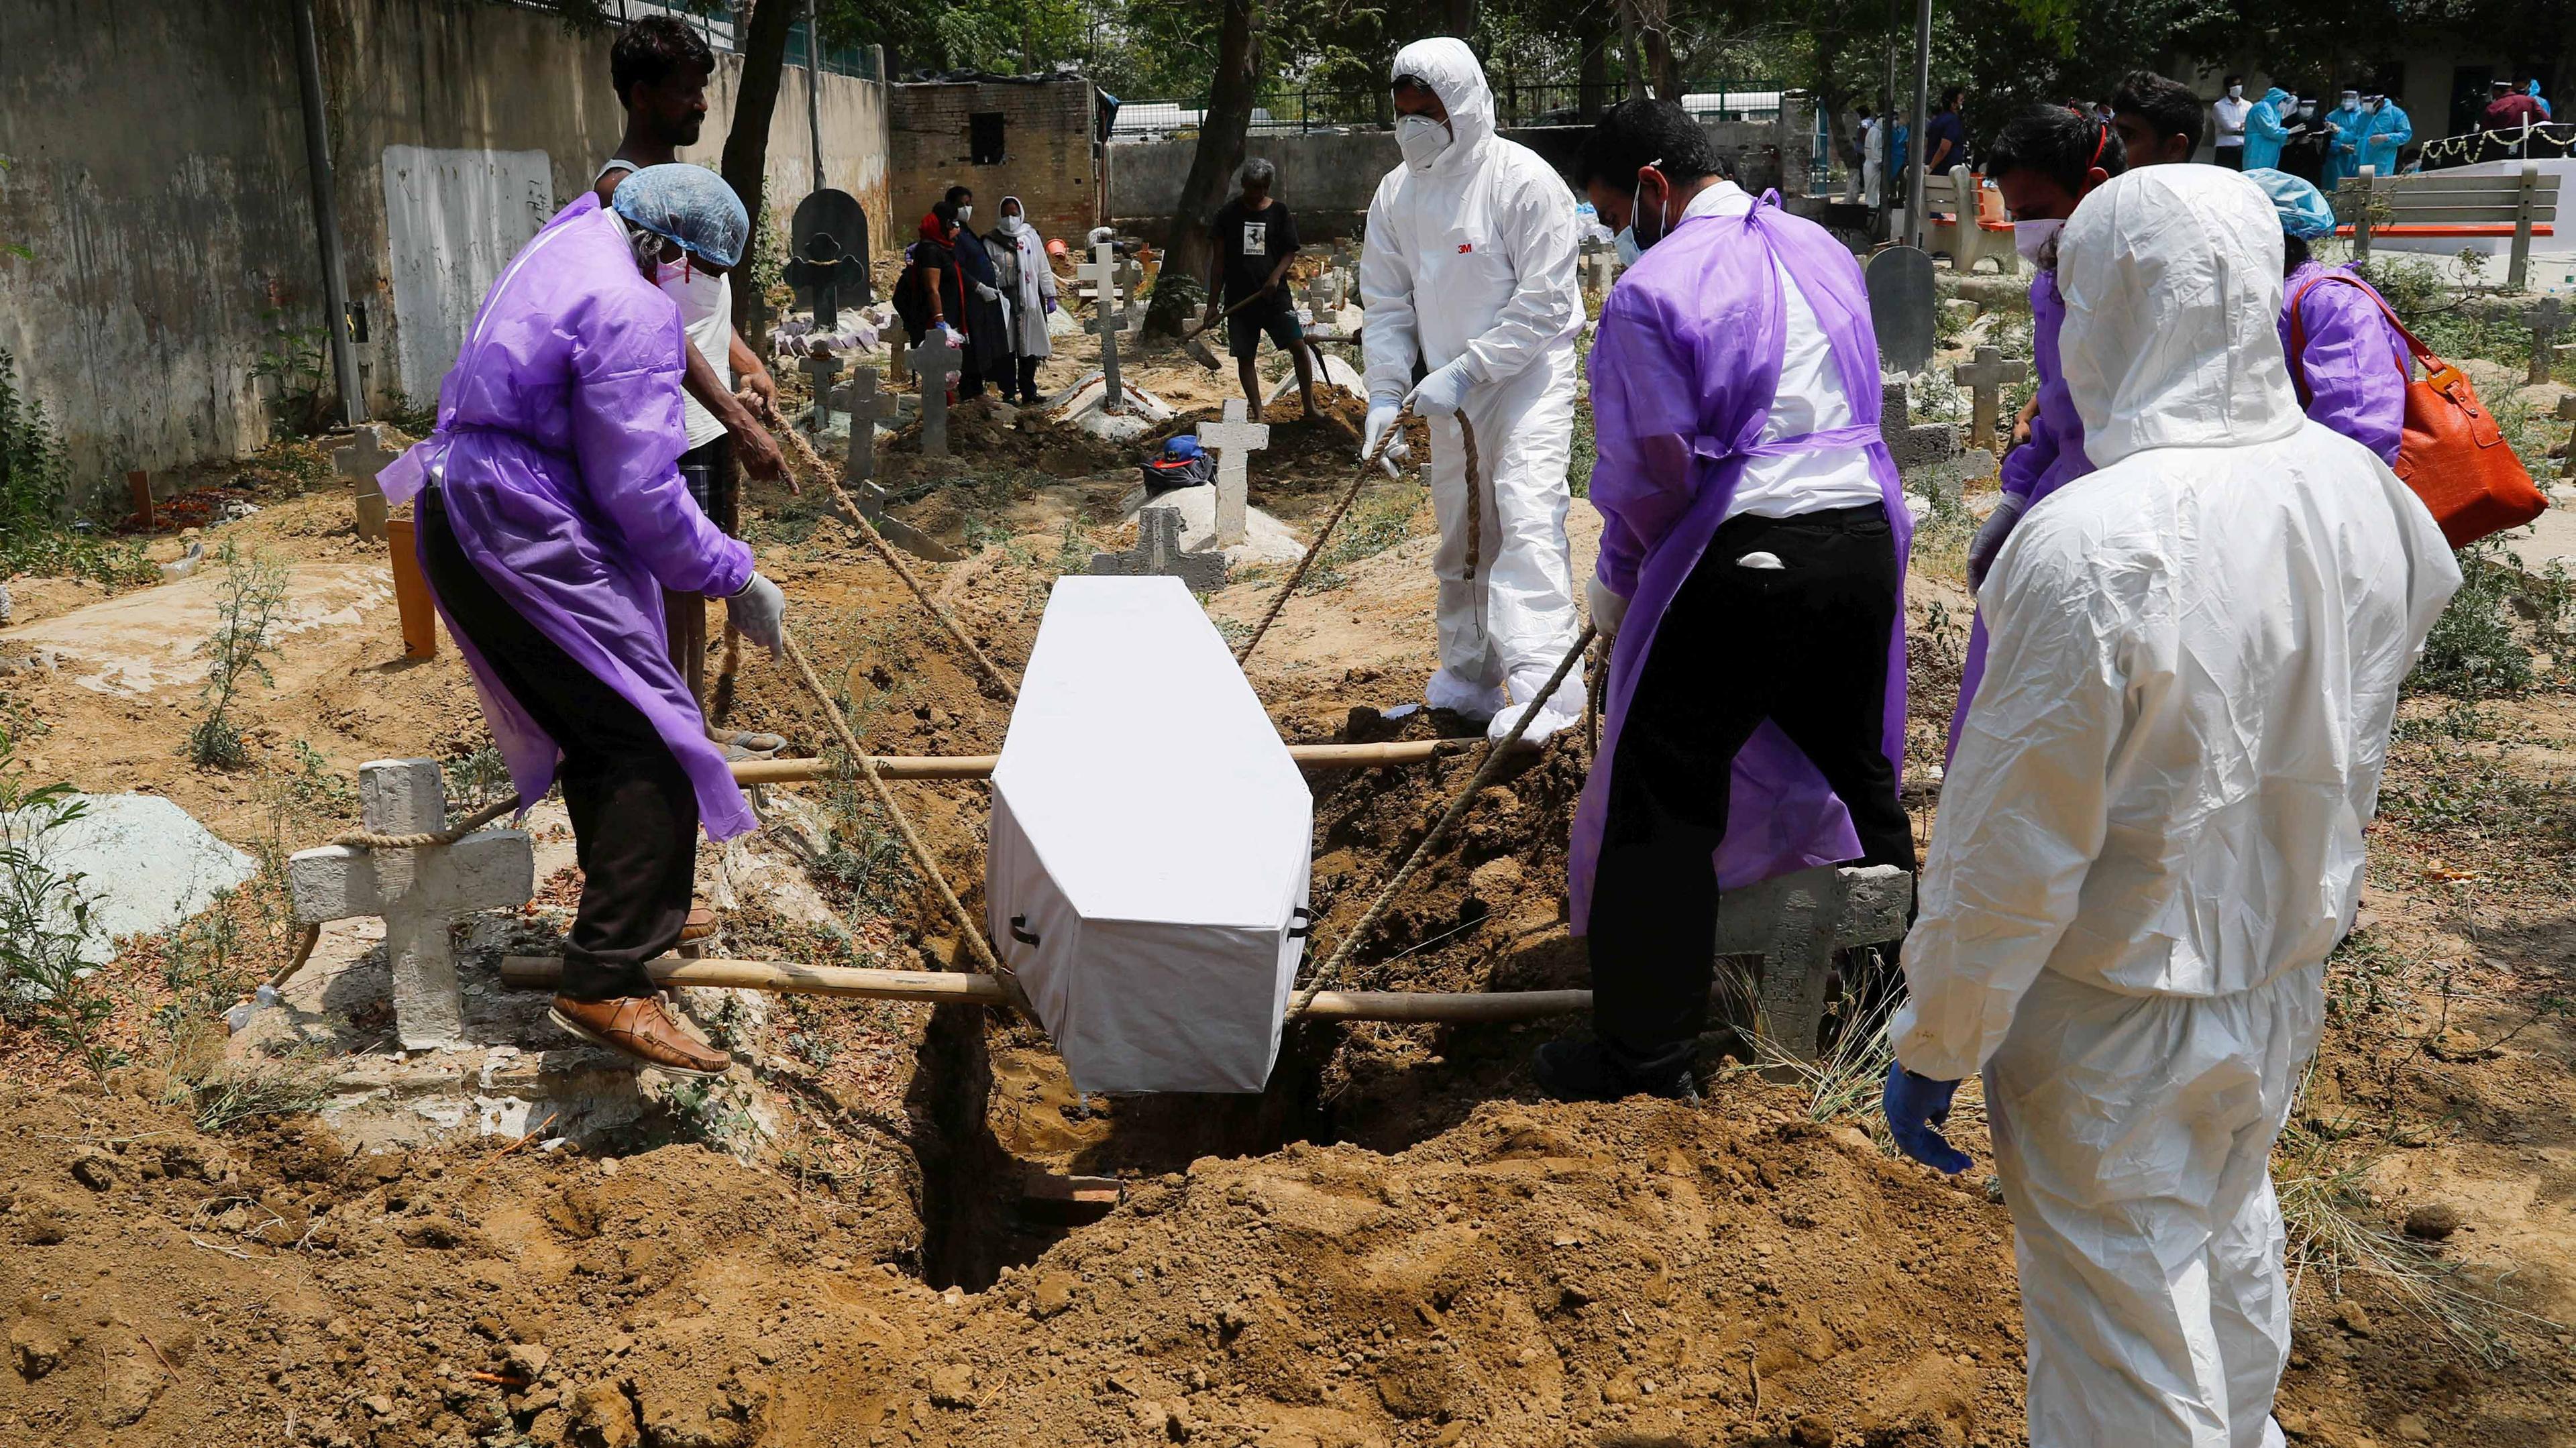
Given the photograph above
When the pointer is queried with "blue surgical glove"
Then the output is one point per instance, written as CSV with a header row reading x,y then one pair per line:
x,y
1443,392
1917,1108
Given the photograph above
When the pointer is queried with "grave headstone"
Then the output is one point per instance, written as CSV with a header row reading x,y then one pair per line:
x,y
865,403
1795,923
940,363
1158,551
1235,440
1912,444
898,355
2547,321
1101,275
412,602
359,460
417,891
1901,308
1985,378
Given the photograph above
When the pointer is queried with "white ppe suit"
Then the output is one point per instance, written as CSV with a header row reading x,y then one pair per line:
x,y
1473,256
2151,833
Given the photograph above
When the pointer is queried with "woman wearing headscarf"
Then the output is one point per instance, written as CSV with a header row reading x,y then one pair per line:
x,y
988,333
932,294
2347,359
1028,294
552,516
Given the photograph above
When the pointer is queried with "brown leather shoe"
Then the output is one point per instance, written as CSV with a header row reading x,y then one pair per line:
x,y
700,925
638,1026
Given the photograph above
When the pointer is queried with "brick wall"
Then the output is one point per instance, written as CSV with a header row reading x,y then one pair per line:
x,y
1048,160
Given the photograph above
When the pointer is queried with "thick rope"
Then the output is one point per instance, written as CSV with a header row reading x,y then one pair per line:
x,y
816,471
368,840
1485,769
971,928
1323,535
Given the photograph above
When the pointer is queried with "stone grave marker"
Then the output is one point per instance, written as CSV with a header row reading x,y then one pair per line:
x,y
1235,440
2547,321
1795,923
1158,551
1985,379
865,404
417,890
1912,444
359,460
939,356
1901,308
1101,275
2567,413
898,355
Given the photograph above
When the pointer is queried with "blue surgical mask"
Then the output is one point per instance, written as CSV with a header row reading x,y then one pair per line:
x,y
1629,251
1629,247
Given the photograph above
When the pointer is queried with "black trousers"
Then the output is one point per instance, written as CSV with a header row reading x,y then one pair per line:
x,y
1803,646
1029,377
634,813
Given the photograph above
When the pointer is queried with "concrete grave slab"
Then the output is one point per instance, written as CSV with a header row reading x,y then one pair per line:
x,y
1265,538
1158,552
145,865
140,642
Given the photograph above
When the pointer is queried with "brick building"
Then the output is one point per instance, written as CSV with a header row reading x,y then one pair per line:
x,y
1034,137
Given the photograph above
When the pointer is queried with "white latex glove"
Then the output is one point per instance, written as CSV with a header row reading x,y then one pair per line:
x,y
1990,538
1381,418
1443,392
987,292
759,612
1609,610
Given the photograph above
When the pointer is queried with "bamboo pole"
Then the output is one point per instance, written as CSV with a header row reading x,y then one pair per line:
x,y
980,766
542,972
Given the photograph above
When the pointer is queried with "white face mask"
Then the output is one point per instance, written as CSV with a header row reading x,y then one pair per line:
x,y
1629,251
1421,139
965,214
2370,108
2351,101
2032,237
693,287
2236,93
1630,246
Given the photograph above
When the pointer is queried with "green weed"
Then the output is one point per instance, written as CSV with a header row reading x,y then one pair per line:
x,y
254,599
1380,520
44,916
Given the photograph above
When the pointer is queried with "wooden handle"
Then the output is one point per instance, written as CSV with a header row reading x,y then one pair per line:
x,y
980,766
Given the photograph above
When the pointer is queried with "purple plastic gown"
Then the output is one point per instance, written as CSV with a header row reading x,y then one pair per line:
x,y
1683,371
2356,363
557,431
2052,458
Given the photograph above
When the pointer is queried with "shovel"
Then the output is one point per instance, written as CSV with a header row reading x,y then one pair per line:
x,y
1198,350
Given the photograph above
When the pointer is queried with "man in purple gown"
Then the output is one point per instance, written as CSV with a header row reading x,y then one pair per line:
x,y
1752,576
552,517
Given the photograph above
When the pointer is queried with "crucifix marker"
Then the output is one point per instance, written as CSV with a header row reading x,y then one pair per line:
x,y
417,891
2547,321
1158,551
898,357
1915,444
1101,275
1985,379
360,459
1235,440
865,404
939,358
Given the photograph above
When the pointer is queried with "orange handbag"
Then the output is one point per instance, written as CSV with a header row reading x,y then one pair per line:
x,y
2451,454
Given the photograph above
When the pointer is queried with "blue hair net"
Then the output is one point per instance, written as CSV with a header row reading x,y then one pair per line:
x,y
2304,211
690,205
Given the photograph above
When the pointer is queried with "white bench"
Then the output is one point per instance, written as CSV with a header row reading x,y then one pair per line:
x,y
1970,234
2447,204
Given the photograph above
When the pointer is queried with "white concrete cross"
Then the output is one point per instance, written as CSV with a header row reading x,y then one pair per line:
x,y
1985,379
1101,275
938,357
360,459
417,891
1235,440
866,404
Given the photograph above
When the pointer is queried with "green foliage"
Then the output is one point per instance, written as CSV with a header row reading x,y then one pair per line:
x,y
44,914
475,779
37,531
1381,519
291,368
200,966
2475,650
236,652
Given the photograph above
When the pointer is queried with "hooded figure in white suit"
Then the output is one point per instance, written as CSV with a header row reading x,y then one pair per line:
x,y
1469,261
2151,834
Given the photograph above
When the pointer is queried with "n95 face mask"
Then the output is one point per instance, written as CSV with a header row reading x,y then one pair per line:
x,y
1421,139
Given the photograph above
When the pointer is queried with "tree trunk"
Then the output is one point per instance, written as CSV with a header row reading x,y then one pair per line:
x,y
1220,151
1654,32
1592,87
1633,48
1462,17
746,148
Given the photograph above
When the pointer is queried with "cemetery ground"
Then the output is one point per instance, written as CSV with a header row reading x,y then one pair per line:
x,y
889,1226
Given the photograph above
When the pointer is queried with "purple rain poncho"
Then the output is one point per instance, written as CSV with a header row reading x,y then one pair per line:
x,y
2052,458
2354,369
557,434
1683,370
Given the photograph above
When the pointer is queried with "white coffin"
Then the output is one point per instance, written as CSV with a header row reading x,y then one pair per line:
x,y
1152,843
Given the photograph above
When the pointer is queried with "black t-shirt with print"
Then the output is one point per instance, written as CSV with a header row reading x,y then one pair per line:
x,y
1252,242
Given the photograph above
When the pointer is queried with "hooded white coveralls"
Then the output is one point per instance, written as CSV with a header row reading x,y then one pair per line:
x,y
2151,834
1475,256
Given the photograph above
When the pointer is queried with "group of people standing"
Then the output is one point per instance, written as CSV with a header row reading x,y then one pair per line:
x,y
992,290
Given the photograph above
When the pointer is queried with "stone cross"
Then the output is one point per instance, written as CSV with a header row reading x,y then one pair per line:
x,y
360,459
1912,444
898,356
1235,440
2547,320
1795,923
866,404
940,365
2567,413
1158,551
1131,280
1101,273
417,891
1985,379
821,370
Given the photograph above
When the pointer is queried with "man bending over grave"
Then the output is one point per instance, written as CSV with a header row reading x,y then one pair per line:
x,y
1469,264
2152,832
1752,578
1255,240
2045,161
552,517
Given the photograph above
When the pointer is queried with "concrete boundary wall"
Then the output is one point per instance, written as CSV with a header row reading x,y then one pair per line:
x,y
156,174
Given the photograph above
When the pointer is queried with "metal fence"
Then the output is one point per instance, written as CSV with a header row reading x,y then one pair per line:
x,y
1543,103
